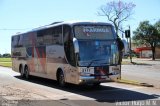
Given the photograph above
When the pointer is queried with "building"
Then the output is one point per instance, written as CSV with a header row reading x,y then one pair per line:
x,y
146,52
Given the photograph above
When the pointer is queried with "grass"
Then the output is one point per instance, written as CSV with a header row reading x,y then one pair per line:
x,y
5,62
127,62
8,64
5,59
132,63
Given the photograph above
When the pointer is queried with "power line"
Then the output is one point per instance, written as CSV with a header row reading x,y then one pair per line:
x,y
14,29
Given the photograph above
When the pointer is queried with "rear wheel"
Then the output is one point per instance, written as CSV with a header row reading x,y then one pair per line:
x,y
21,71
26,72
61,79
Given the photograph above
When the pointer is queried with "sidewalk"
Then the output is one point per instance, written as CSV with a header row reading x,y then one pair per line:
x,y
144,71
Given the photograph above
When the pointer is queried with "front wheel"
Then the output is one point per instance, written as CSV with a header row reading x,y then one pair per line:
x,y
96,84
61,79
21,72
26,72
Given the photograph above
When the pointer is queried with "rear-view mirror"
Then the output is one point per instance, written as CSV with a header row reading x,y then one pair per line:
x,y
76,46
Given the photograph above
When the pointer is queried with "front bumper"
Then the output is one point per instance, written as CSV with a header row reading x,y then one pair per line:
x,y
98,79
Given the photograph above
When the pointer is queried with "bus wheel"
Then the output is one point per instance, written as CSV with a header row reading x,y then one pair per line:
x,y
61,79
21,71
26,72
97,84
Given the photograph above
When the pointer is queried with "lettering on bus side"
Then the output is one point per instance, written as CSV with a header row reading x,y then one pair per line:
x,y
15,54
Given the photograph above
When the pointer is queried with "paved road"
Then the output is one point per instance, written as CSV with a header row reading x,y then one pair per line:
x,y
38,91
146,71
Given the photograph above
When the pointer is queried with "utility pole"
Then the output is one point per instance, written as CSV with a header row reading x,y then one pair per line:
x,y
128,36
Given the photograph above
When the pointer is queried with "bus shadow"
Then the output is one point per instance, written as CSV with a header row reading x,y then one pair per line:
x,y
100,94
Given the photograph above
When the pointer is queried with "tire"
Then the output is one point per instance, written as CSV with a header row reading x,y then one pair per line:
x,y
21,71
26,73
61,79
96,84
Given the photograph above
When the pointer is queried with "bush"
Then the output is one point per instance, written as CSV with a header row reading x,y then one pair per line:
x,y
6,55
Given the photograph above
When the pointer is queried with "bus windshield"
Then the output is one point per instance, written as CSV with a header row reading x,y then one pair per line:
x,y
99,52
97,45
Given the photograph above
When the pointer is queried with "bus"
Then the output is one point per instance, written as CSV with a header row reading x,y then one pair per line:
x,y
68,52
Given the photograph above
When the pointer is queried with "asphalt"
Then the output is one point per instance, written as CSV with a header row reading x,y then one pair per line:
x,y
15,91
144,71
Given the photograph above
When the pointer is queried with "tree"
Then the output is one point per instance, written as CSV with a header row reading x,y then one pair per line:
x,y
6,55
157,26
147,34
116,12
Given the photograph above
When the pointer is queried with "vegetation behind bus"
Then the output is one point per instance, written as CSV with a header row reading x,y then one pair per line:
x,y
6,62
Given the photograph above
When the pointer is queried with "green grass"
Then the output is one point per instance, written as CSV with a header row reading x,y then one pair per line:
x,y
5,59
126,63
5,62
132,63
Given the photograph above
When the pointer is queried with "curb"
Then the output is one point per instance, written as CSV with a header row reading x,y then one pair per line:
x,y
146,85
132,82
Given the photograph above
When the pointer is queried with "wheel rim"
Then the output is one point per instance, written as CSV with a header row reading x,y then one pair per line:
x,y
61,79
26,73
21,72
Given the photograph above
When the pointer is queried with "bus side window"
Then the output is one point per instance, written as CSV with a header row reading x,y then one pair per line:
x,y
40,39
57,35
51,36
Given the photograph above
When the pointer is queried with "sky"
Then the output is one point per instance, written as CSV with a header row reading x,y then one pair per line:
x,y
24,15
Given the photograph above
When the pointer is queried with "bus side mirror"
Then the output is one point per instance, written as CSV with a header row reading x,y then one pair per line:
x,y
120,44
76,46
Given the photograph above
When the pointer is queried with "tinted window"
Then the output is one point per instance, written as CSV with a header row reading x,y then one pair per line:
x,y
50,36
28,39
17,41
68,45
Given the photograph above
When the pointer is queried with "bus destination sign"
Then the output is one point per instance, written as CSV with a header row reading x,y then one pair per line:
x,y
95,30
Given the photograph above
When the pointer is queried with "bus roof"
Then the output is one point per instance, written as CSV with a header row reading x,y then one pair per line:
x,y
71,23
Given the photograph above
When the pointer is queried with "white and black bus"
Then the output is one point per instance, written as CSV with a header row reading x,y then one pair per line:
x,y
69,52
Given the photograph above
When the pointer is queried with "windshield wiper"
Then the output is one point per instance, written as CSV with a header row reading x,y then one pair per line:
x,y
93,61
